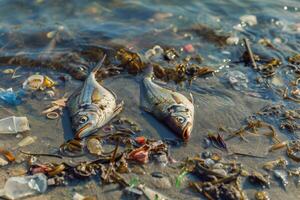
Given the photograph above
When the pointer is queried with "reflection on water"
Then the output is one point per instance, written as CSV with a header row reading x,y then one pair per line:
x,y
69,35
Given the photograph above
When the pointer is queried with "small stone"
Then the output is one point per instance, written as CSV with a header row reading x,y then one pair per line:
x,y
19,136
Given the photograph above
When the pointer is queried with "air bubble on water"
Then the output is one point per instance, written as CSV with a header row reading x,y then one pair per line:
x,y
285,7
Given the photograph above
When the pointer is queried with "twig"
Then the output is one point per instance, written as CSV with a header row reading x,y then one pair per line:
x,y
245,154
248,48
41,154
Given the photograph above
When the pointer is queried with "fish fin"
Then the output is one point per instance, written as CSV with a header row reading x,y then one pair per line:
x,y
191,98
99,64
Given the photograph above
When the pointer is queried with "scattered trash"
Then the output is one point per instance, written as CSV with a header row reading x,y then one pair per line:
x,y
27,141
189,48
38,82
24,186
13,125
10,97
78,196
237,80
152,194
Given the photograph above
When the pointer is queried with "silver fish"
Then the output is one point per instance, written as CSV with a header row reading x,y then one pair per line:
x,y
92,106
171,107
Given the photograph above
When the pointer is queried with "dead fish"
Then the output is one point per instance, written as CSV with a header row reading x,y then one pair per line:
x,y
171,107
92,106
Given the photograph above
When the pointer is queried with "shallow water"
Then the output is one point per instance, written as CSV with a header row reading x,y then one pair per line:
x,y
44,33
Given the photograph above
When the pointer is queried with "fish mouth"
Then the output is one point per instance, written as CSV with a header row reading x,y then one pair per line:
x,y
186,133
78,133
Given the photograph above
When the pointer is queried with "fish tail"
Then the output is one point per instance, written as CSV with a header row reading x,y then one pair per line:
x,y
99,64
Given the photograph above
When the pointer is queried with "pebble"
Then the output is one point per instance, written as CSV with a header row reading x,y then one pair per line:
x,y
251,20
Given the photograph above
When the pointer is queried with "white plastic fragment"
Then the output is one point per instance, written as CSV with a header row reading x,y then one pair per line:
x,y
251,20
13,124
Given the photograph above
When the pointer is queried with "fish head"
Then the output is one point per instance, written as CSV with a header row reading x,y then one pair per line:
x,y
180,120
85,123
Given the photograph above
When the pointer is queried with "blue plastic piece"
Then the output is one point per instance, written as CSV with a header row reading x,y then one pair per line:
x,y
12,98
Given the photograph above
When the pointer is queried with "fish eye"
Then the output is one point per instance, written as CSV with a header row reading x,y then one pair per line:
x,y
83,119
180,119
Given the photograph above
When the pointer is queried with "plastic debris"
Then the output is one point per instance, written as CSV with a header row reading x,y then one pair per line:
x,y
238,80
154,53
180,178
8,71
152,194
27,141
189,48
78,196
36,82
13,124
11,97
251,20
133,193
232,40
23,186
